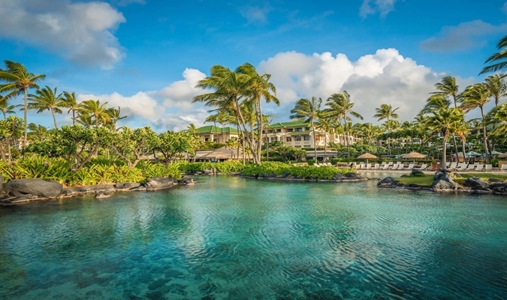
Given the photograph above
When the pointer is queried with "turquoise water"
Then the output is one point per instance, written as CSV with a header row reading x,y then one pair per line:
x,y
232,238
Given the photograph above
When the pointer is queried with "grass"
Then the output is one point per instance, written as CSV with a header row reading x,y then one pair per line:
x,y
483,175
423,180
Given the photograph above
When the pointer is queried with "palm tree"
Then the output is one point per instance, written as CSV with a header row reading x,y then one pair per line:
x,y
445,121
192,129
5,107
476,96
310,111
18,81
115,116
386,112
340,107
500,58
46,99
496,86
499,114
94,109
69,101
258,87
324,124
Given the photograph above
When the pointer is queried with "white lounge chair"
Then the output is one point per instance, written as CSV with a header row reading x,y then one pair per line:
x,y
489,167
368,167
423,167
479,168
385,167
453,165
503,168
471,167
461,167
448,164
361,166
376,167
410,167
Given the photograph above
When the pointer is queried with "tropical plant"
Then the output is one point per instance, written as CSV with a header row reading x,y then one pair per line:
x,y
498,59
5,107
69,101
95,110
19,80
386,112
46,99
309,111
497,87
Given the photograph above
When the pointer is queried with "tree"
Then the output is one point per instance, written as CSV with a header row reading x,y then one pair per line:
x,y
340,107
386,112
46,99
69,101
496,86
10,131
499,58
5,107
258,87
310,112
170,143
445,121
18,81
114,117
133,145
477,96
96,110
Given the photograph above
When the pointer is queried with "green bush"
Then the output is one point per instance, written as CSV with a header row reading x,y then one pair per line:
x,y
306,172
222,167
151,170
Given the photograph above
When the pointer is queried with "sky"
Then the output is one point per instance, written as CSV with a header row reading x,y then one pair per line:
x,y
146,56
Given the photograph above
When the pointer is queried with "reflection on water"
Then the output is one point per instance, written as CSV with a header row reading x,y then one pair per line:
x,y
231,238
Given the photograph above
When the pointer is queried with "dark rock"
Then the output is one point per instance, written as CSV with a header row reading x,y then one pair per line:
x,y
211,171
495,180
352,175
187,181
405,175
445,185
499,188
160,183
34,186
102,195
416,172
477,184
285,174
127,185
338,176
388,182
443,174
91,189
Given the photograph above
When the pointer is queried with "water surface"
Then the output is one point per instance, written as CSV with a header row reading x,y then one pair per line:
x,y
234,238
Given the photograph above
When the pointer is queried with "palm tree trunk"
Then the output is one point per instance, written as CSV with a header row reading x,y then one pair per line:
x,y
445,150
314,142
73,117
5,115
54,118
485,137
456,146
463,145
348,146
259,127
25,134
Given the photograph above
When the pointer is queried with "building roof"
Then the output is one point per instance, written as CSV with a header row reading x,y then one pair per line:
x,y
297,123
215,129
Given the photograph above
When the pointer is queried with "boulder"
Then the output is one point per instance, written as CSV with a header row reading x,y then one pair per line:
x,y
352,175
495,180
416,172
443,174
159,183
338,176
33,186
388,182
102,195
186,181
445,185
477,184
285,174
499,188
127,185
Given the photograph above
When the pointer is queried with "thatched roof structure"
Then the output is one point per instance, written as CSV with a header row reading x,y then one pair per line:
x,y
219,154
413,155
367,156
504,155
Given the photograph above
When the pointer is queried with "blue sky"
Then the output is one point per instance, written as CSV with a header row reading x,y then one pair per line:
x,y
147,55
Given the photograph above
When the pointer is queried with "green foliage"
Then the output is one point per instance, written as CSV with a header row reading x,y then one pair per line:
x,y
37,167
306,172
151,170
222,167
422,179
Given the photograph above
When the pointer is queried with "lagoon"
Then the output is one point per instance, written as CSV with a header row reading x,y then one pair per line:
x,y
235,238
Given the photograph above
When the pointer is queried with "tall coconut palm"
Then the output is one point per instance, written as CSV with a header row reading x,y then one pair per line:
x,y
46,99
499,58
477,96
19,80
69,101
340,107
446,121
499,114
96,110
258,87
324,124
386,112
5,107
496,86
309,110
192,129
115,116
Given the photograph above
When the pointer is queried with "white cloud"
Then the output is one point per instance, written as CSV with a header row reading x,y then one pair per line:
x,y
383,77
80,32
140,104
180,94
463,36
383,7
128,2
255,14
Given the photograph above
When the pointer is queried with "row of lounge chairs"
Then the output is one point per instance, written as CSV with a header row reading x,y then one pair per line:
x,y
452,166
388,166
475,167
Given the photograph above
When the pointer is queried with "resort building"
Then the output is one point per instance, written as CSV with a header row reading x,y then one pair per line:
x,y
299,134
217,134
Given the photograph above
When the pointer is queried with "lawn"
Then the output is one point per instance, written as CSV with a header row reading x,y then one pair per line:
x,y
483,175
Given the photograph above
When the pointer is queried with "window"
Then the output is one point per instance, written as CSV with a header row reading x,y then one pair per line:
x,y
307,146
298,138
299,129
290,130
289,139
278,130
307,138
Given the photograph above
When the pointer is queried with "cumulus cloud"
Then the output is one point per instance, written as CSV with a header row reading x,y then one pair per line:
x,y
369,7
464,36
141,104
80,32
255,14
180,94
383,77
128,2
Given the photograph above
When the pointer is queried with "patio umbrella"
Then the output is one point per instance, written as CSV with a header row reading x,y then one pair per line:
x,y
473,153
495,152
367,156
503,155
413,155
